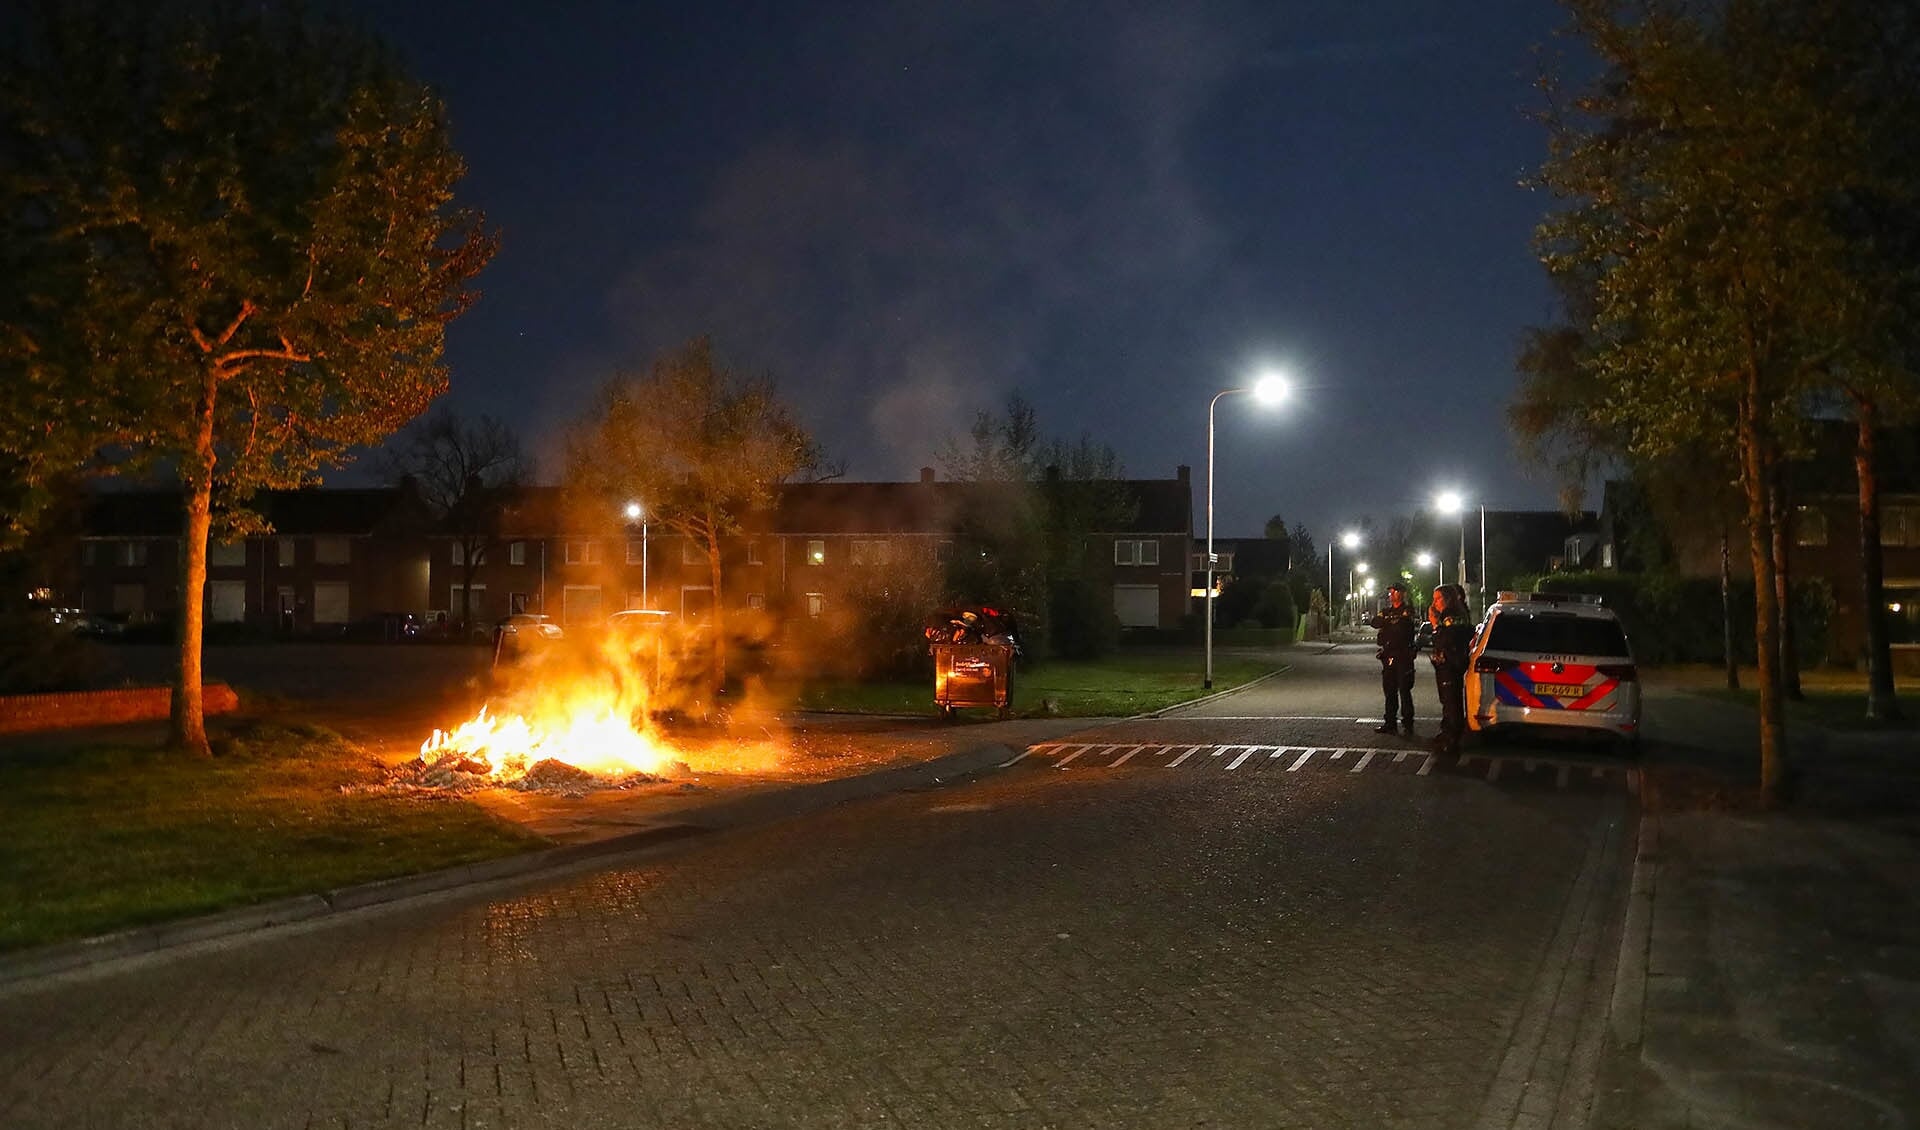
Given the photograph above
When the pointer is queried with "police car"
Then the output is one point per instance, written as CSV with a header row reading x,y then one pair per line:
x,y
1547,662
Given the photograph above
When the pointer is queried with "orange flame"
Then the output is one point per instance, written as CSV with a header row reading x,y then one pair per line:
x,y
596,740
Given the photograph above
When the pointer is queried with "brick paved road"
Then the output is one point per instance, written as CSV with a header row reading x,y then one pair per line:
x,y
1090,946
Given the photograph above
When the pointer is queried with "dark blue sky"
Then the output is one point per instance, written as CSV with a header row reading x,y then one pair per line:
x,y
905,212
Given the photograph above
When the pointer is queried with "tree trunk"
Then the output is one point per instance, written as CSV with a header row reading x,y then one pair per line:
x,y
187,727
1726,613
718,621
1779,509
1756,459
1881,703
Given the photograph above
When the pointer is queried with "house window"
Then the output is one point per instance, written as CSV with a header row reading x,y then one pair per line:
x,y
226,553
756,600
870,553
517,553
1809,525
816,604
1133,551
459,553
636,551
1606,556
816,552
1900,525
283,552
332,551
133,553
583,552
692,552
753,552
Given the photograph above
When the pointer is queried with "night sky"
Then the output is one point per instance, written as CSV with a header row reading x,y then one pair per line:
x,y
903,214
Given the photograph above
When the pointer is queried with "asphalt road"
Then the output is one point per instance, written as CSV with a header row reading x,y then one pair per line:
x,y
1174,922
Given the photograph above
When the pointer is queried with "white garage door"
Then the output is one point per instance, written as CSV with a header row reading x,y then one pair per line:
x,y
226,601
330,602
1138,606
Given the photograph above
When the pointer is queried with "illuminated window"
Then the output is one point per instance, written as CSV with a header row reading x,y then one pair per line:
x,y
816,552
1809,526
816,603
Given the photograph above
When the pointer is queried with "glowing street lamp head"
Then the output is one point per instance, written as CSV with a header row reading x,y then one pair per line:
x,y
1449,502
1271,389
1425,560
1351,539
634,511
1361,567
1369,585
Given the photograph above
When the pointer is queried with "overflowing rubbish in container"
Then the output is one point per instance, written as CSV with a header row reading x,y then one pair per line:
x,y
974,649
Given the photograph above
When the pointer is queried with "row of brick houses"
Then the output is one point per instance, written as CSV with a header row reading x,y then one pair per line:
x,y
337,556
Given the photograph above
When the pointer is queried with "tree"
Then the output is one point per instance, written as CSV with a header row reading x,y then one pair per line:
x,y
699,446
467,472
231,251
1276,529
1707,178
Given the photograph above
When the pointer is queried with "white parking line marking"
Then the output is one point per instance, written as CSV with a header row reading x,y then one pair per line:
x,y
1337,754
1235,763
1017,758
1068,759
1426,766
1560,778
1278,750
1401,756
1368,756
1493,770
1191,750
1125,756
1220,749
1304,754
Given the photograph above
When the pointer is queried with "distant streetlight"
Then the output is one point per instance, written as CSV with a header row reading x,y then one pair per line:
x,y
638,513
1269,390
1427,560
1350,539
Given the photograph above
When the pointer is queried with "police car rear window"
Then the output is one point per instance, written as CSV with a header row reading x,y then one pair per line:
x,y
1547,633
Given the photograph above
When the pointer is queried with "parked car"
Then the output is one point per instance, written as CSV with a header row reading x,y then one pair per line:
x,y
1551,663
523,630
385,627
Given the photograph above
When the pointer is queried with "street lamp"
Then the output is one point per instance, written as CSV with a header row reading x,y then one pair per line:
x,y
1450,502
1350,539
1269,390
638,513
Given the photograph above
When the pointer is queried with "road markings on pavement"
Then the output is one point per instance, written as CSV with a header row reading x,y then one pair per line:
x,y
1235,755
1191,750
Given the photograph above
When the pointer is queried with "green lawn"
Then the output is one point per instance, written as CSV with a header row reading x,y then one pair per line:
x,y
1118,686
1832,709
101,838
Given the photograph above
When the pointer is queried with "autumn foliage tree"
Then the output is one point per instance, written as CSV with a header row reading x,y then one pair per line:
x,y
1721,184
231,251
695,443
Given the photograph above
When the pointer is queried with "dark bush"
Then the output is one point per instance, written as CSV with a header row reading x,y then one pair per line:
x,y
38,656
1275,608
1081,620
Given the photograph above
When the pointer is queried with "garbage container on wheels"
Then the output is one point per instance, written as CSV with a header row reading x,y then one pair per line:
x,y
972,674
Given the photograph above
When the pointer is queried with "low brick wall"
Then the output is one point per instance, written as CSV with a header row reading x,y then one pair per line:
x,y
24,712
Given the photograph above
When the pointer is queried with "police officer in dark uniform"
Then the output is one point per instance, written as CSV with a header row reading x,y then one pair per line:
x,y
1395,625
1452,640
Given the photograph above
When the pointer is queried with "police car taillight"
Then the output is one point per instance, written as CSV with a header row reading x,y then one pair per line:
x,y
1624,672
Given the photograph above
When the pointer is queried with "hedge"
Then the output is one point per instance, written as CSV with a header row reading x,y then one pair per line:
x,y
1674,619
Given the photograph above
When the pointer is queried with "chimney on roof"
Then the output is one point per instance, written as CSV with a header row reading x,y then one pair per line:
x,y
1184,473
926,474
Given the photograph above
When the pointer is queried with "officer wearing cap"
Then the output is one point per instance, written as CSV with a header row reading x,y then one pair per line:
x,y
1452,640
1395,625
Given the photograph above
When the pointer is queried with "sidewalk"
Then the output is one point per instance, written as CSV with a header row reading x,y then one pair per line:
x,y
1770,972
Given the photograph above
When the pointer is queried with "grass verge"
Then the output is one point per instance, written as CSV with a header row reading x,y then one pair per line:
x,y
1830,709
100,838
1117,686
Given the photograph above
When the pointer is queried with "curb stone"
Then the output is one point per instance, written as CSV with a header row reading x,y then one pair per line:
x,y
1188,705
20,970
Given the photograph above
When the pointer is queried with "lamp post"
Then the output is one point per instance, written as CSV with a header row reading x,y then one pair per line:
x,y
1425,560
1350,539
1270,389
636,512
1450,502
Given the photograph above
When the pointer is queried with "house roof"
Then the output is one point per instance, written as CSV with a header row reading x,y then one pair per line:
x,y
316,511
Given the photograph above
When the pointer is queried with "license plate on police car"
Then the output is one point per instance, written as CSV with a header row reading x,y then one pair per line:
x,y
1559,690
